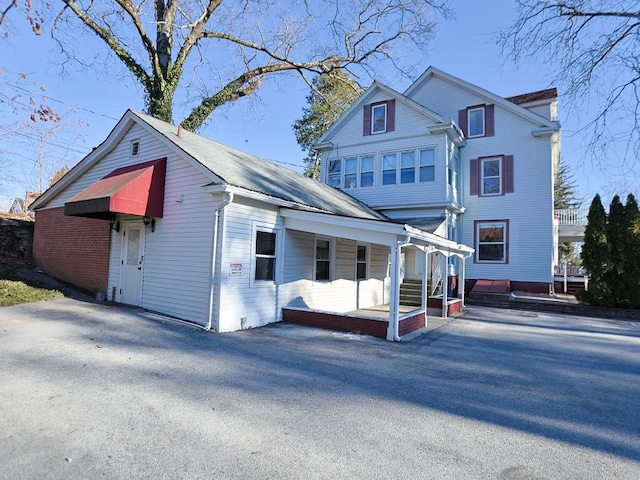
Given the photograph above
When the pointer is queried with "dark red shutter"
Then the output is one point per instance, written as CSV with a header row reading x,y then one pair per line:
x,y
507,169
489,123
391,115
462,121
366,126
474,176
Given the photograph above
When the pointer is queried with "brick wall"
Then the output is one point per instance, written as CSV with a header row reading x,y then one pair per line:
x,y
342,323
72,249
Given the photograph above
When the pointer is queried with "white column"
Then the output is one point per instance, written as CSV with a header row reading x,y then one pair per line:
x,y
445,286
394,294
425,286
463,274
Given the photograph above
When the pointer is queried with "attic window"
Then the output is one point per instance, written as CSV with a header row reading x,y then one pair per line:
x,y
135,147
379,117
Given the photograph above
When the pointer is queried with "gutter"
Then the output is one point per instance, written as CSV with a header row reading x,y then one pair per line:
x,y
214,253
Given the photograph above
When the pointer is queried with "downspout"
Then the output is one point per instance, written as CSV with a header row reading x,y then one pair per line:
x,y
394,301
214,254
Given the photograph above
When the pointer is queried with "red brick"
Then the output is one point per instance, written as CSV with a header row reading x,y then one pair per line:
x,y
72,249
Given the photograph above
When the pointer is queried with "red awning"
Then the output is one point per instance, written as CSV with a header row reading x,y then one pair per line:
x,y
133,190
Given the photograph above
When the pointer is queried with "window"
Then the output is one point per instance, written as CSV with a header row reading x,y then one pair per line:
x,y
475,122
408,167
323,259
491,169
350,172
491,176
389,169
491,241
361,262
334,172
366,172
265,256
453,171
379,118
427,165
135,148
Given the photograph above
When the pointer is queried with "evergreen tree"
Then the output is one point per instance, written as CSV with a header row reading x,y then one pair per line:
x,y
632,252
331,95
614,276
564,197
595,253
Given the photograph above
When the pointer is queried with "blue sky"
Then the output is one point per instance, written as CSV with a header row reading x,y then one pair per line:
x,y
464,46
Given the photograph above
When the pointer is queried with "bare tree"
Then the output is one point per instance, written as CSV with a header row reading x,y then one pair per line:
x,y
224,50
593,47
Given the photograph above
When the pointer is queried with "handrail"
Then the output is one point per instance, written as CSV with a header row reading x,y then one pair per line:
x,y
572,216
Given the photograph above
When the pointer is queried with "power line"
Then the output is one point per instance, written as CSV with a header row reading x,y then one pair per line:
x,y
43,93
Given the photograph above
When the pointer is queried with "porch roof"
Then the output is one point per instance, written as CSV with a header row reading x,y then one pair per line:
x,y
372,231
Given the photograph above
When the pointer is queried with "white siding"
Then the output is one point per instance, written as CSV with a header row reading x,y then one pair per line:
x,y
177,257
342,293
410,134
240,298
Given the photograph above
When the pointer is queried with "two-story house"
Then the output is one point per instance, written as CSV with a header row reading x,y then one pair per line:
x,y
459,161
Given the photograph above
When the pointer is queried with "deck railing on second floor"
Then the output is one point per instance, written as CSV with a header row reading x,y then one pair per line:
x,y
572,216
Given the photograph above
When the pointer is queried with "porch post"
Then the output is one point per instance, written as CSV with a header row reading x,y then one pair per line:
x,y
425,286
463,274
445,287
394,294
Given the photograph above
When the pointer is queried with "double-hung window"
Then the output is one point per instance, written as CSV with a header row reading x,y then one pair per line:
x,y
323,259
361,262
491,241
427,165
491,169
335,172
408,167
366,171
265,256
350,172
389,161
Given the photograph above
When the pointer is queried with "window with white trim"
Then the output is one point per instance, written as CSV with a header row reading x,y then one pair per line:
x,y
335,173
350,172
491,170
379,118
366,171
362,262
408,167
389,166
491,242
323,259
475,122
427,165
265,255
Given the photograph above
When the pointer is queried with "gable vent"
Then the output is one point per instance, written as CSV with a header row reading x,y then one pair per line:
x,y
135,148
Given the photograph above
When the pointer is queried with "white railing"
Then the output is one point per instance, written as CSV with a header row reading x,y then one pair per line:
x,y
572,216
436,273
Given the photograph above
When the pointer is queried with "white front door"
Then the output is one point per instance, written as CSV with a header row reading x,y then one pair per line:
x,y
132,259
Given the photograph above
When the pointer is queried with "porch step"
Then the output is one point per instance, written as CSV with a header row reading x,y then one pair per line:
x,y
411,292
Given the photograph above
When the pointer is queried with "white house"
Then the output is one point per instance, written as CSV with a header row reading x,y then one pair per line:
x,y
162,218
461,162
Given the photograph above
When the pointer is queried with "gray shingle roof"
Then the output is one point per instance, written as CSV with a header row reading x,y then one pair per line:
x,y
239,169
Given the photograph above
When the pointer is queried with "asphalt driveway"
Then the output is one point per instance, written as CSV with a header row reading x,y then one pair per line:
x,y
98,391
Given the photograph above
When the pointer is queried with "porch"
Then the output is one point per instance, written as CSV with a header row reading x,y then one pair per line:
x,y
374,320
